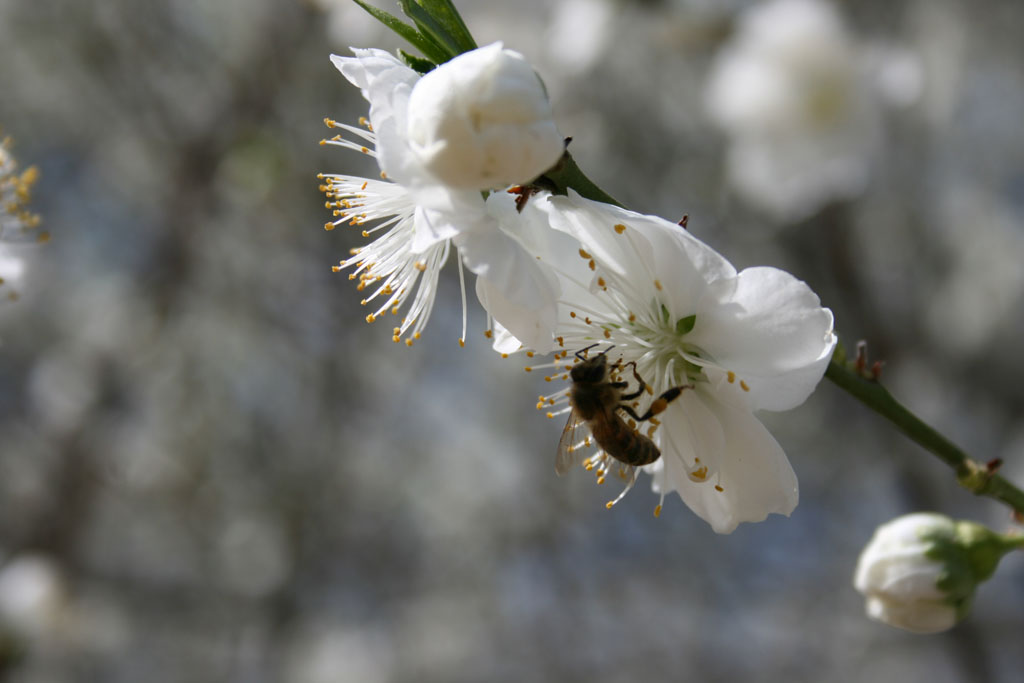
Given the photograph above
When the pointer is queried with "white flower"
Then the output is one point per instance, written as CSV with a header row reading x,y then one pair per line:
x,y
483,121
919,572
16,221
31,595
646,291
416,220
792,94
15,191
12,268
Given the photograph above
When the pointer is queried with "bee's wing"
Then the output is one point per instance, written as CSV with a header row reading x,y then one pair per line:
x,y
568,454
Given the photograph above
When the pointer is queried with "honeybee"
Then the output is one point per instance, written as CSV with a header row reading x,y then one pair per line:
x,y
596,399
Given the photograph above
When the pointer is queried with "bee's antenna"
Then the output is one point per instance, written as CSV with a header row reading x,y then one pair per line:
x,y
581,353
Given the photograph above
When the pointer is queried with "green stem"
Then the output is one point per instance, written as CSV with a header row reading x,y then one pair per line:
x,y
972,475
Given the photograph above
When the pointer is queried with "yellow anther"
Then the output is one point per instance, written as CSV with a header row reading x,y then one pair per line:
x,y
528,368
396,339
657,285
416,335
607,334
632,317
504,355
600,479
592,265
731,376
488,333
328,122
420,266
572,314
408,342
743,386
335,269
540,404
364,150
600,282
699,474
657,511
550,414
530,354
584,254
718,488
370,318
620,228
609,504
462,343
363,186
329,226
547,378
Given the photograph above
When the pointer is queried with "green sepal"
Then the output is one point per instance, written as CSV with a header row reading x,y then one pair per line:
x,y
665,315
685,325
969,554
427,46
417,64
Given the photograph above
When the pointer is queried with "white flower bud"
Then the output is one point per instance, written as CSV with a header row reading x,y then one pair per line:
x,y
919,572
483,121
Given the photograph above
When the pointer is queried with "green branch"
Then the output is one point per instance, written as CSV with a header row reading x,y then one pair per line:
x,y
978,478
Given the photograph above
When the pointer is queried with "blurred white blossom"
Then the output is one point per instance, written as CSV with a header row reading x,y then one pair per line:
x,y
12,268
738,342
792,93
579,32
416,218
32,596
16,221
15,192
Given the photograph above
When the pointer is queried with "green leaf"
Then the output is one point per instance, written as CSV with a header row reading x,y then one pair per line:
x,y
418,64
428,47
432,29
685,325
444,11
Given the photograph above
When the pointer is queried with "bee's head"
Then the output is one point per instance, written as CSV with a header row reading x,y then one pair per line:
x,y
591,370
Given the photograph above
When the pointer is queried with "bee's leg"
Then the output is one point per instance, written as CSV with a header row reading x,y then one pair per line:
x,y
658,405
642,385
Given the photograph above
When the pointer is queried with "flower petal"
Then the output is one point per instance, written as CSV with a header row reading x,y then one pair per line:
x,y
771,330
646,252
754,474
386,83
514,288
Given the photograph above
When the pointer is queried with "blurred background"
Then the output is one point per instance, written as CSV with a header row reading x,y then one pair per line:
x,y
212,469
